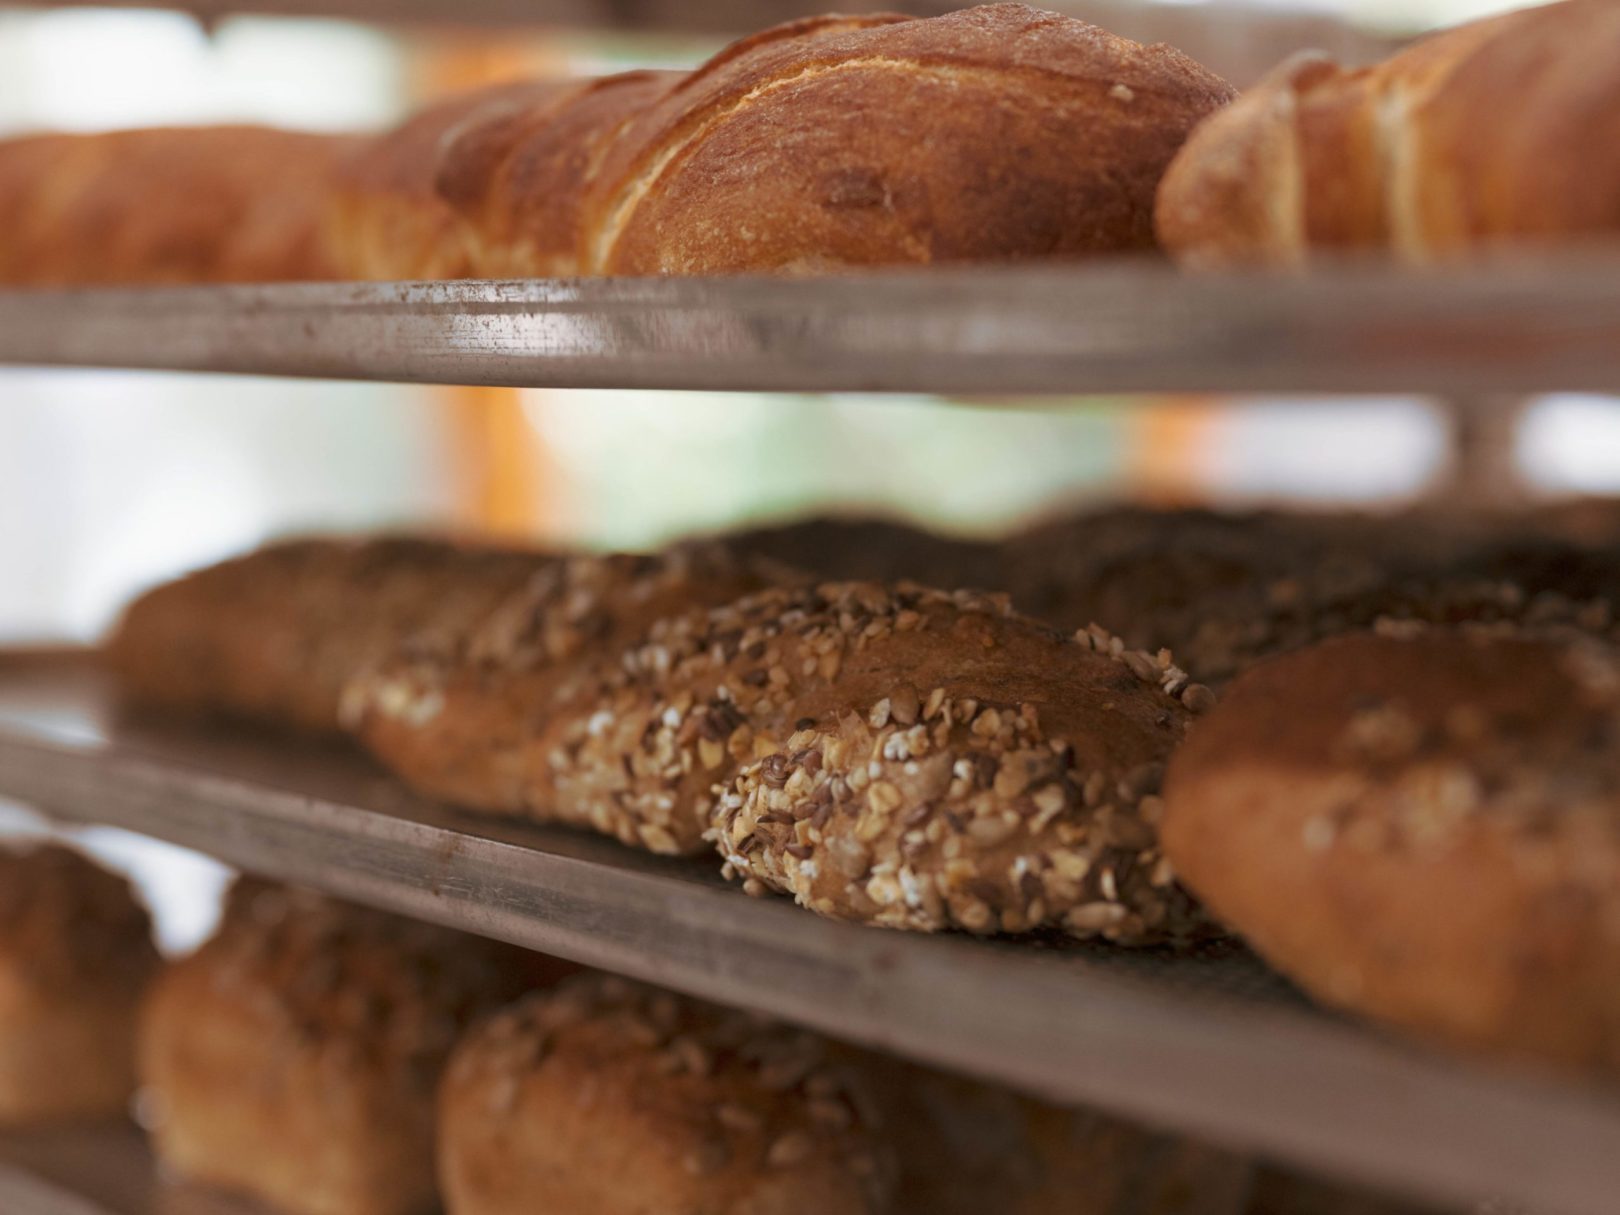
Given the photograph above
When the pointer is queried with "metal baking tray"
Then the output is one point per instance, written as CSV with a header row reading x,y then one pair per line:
x,y
1116,327
1215,1045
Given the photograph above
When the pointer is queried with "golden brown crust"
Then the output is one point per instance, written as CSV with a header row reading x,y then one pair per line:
x,y
295,1056
609,1097
474,715
902,756
76,953
1422,829
387,218
168,205
278,635
1501,130
1006,133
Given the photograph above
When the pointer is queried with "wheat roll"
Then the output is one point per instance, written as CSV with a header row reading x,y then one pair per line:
x,y
1422,829
295,1056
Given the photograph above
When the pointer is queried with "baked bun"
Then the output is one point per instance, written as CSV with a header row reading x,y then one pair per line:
x,y
899,755
608,1097
476,715
278,635
76,953
1422,829
295,1056
1501,131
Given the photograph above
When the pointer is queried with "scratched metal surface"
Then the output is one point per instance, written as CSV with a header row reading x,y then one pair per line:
x,y
1113,327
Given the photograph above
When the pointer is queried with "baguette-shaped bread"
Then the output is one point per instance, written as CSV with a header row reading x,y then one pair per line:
x,y
476,715
295,1057
1503,131
995,133
1423,829
278,635
76,954
173,205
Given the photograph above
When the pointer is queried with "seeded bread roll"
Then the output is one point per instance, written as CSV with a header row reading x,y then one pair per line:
x,y
1500,131
295,1056
608,1097
176,205
1422,829
278,635
902,756
475,716
75,955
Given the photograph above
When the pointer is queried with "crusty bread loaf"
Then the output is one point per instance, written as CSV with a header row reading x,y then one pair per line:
x,y
1422,829
76,953
476,715
1506,130
295,1056
279,634
608,1097
993,134
901,756
176,205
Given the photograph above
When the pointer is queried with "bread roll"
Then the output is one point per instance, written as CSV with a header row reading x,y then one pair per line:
x,y
175,205
295,1056
611,1098
1422,829
476,715
1503,131
278,635
75,955
904,757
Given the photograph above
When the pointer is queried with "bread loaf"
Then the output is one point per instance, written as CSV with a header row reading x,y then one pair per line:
x,y
296,1055
278,635
477,715
994,134
75,955
1500,132
1422,829
901,756
611,1098
177,205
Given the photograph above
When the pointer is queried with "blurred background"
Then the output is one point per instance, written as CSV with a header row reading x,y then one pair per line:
x,y
110,481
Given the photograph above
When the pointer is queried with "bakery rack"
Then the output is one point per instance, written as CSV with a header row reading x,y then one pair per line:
x,y
1216,1046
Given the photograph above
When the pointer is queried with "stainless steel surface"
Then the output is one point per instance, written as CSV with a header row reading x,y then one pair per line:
x,y
1107,328
96,1170
1214,1045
